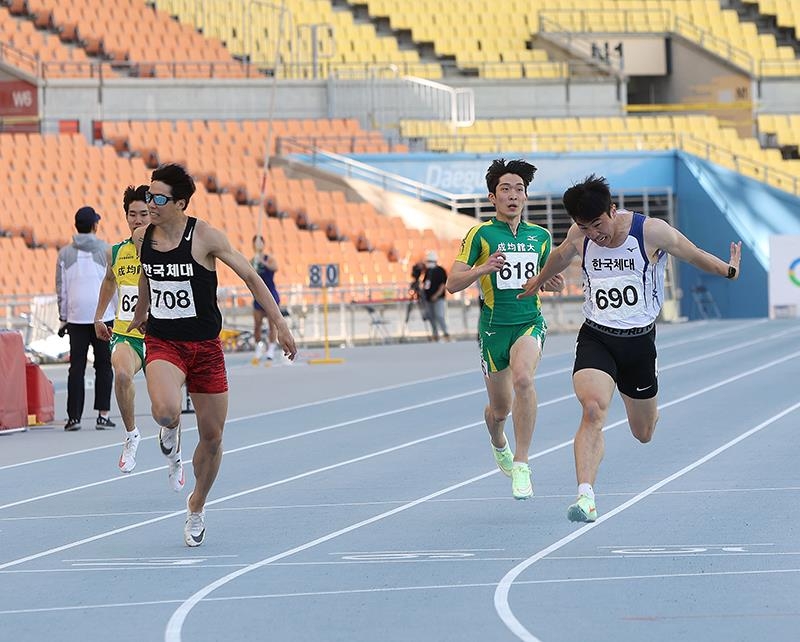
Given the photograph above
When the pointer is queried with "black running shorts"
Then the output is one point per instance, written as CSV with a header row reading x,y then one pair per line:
x,y
629,360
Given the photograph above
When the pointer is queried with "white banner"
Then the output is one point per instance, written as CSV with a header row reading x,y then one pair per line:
x,y
784,276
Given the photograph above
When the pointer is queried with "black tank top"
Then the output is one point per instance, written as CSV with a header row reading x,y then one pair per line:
x,y
183,294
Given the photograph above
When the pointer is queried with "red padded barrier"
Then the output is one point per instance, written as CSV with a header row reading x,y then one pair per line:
x,y
13,387
41,395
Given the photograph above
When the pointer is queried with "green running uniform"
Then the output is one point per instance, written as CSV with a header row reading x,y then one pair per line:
x,y
504,318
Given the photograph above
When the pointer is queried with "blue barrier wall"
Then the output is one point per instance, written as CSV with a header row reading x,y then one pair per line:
x,y
715,206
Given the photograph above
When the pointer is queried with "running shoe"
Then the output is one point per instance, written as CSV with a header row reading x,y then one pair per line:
x,y
72,424
127,460
169,440
176,477
170,443
270,352
104,423
521,486
259,353
194,531
582,510
504,458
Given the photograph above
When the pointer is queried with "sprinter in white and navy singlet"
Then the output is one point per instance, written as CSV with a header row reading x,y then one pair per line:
x,y
623,289
623,259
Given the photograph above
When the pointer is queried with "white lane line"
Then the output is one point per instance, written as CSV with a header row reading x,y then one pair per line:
x,y
501,604
382,389
397,589
368,456
481,390
455,500
175,624
296,435
255,416
278,482
190,563
710,335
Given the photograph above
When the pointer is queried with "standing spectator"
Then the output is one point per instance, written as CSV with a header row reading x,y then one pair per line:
x,y
80,271
266,265
433,292
127,347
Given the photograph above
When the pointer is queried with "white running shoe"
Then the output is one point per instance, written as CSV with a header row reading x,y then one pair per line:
x,y
194,531
169,440
127,460
176,478
261,348
170,443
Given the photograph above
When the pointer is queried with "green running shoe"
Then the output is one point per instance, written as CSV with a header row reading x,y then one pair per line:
x,y
583,510
521,486
504,458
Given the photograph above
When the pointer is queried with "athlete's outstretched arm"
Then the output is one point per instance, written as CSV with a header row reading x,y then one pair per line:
x,y
220,247
557,262
107,289
662,235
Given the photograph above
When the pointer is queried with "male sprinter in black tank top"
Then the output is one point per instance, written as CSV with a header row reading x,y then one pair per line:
x,y
178,307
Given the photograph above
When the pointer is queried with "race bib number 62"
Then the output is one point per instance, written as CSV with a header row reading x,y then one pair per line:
x,y
128,296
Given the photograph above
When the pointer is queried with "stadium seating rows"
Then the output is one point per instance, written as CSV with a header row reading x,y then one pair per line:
x,y
697,134
313,40
45,178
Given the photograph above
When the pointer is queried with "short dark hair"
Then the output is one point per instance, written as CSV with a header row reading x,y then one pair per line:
x,y
499,166
133,194
588,200
178,179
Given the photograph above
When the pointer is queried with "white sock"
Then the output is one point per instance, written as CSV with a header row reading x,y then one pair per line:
x,y
133,434
586,489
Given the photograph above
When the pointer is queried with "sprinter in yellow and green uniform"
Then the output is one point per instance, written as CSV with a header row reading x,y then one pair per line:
x,y
501,255
127,346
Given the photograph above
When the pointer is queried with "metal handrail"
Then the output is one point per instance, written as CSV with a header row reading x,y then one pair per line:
x,y
387,180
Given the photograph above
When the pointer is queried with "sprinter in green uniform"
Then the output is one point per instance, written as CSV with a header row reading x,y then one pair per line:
x,y
127,346
502,254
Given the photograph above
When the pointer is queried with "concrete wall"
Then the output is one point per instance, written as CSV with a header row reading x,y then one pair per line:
x,y
121,99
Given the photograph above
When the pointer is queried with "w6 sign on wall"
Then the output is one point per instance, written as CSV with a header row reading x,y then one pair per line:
x,y
18,98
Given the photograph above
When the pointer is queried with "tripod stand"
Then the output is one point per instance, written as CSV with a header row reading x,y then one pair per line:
x,y
414,302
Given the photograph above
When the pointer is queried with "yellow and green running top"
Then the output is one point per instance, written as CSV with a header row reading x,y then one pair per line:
x,y
525,252
126,267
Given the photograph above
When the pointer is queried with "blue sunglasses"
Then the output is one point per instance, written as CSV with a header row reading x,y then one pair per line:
x,y
158,199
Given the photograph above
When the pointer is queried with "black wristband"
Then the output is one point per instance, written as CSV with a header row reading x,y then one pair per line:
x,y
731,272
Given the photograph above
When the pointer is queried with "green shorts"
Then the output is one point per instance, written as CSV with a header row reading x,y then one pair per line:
x,y
136,343
496,341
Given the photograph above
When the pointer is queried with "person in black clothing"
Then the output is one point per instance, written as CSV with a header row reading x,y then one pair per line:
x,y
266,265
178,307
433,292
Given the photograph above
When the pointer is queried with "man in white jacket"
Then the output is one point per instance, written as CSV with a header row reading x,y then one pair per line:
x,y
80,270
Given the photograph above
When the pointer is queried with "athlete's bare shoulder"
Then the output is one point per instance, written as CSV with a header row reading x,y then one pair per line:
x,y
137,236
